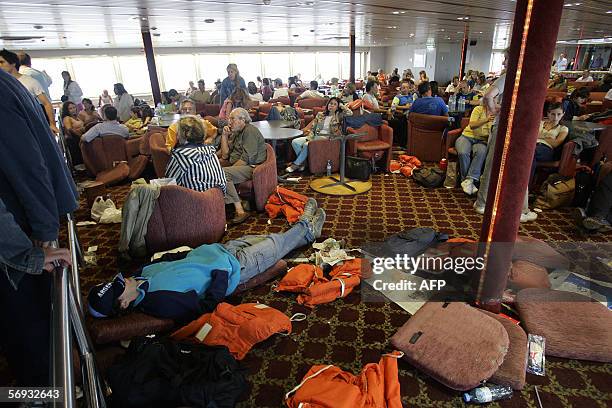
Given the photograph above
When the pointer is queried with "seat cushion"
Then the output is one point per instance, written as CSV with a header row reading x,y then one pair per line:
x,y
115,175
574,325
525,274
372,145
453,343
538,252
126,327
513,369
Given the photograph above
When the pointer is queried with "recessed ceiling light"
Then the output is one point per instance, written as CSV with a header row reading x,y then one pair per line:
x,y
243,29
178,32
38,27
156,34
396,12
209,20
391,27
87,45
153,28
107,42
480,32
609,12
412,34
144,18
402,12
296,35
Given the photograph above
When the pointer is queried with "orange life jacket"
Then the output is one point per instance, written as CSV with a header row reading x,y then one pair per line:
x,y
329,387
286,201
238,328
315,289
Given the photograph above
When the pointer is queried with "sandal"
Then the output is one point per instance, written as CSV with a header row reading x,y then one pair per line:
x,y
239,219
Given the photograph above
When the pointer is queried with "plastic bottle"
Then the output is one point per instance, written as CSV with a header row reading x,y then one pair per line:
x,y
452,103
484,394
461,105
329,168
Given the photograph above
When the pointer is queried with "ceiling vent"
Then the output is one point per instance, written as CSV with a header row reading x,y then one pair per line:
x,y
20,38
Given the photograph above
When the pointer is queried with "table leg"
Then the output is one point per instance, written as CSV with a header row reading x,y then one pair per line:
x,y
342,181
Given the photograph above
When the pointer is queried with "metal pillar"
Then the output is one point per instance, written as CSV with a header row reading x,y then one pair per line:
x,y
352,57
464,47
150,55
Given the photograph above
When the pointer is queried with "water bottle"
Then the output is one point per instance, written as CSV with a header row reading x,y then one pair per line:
x,y
452,103
461,105
484,394
329,168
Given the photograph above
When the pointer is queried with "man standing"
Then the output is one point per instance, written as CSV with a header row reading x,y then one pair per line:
x,y
562,62
200,95
42,77
242,148
492,101
9,62
36,190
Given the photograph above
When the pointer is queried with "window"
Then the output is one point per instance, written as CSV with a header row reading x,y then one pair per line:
x,y
213,67
346,65
94,74
249,66
419,58
54,68
329,65
497,58
177,70
303,63
276,66
135,75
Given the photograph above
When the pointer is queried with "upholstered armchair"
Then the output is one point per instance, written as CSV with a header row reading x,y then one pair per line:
x,y
263,183
111,158
375,145
159,153
425,136
309,103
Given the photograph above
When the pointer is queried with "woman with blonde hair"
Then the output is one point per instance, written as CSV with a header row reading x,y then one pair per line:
x,y
193,163
231,82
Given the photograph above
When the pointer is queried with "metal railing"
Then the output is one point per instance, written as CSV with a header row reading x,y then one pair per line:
x,y
68,318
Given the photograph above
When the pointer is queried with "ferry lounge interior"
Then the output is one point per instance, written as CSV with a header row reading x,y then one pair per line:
x,y
243,203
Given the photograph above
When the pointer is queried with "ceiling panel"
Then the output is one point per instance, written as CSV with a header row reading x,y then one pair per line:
x,y
177,23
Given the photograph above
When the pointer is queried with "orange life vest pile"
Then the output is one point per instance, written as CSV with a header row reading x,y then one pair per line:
x,y
329,387
238,328
405,165
288,202
314,288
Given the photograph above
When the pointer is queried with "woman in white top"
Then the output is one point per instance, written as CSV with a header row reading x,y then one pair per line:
x,y
72,90
552,135
323,125
254,93
279,90
105,99
123,102
586,76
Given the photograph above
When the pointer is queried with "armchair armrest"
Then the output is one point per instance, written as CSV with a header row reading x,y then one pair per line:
x,y
132,146
386,134
448,140
567,163
265,180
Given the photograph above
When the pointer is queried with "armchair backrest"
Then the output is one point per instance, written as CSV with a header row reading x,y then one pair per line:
x,y
159,153
285,100
371,132
426,136
430,123
100,153
265,107
310,103
211,110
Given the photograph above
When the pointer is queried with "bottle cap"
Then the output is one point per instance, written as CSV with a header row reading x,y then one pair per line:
x,y
467,397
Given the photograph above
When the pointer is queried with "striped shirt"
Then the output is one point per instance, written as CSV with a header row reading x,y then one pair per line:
x,y
196,167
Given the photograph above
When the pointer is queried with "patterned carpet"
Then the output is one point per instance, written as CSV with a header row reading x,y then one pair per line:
x,y
350,333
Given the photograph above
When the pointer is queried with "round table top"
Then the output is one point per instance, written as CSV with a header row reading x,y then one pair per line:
x,y
271,133
262,124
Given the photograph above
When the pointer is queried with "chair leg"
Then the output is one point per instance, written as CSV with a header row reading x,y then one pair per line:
x,y
373,163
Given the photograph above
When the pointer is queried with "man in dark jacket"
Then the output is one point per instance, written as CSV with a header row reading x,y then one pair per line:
x,y
36,189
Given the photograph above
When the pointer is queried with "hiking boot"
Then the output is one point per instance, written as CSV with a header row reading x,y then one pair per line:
x,y
309,209
596,224
317,222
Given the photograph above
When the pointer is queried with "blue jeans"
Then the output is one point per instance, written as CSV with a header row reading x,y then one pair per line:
x,y
300,147
257,253
543,153
468,166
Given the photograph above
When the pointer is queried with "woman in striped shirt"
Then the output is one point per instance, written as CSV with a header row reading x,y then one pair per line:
x,y
194,164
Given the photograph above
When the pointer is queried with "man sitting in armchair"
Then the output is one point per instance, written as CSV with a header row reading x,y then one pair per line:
x,y
242,148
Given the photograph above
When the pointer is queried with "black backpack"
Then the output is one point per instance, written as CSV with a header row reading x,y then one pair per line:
x,y
431,177
162,373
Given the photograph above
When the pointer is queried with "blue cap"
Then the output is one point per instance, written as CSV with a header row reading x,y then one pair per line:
x,y
102,298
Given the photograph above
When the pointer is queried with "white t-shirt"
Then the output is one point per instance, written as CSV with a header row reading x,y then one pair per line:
x,y
31,85
371,99
583,79
256,97
451,88
278,92
311,94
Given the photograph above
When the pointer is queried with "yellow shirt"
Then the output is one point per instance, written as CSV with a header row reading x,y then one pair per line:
x,y
133,124
171,135
482,133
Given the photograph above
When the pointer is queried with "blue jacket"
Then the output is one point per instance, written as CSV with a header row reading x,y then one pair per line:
x,y
176,289
35,184
429,105
228,86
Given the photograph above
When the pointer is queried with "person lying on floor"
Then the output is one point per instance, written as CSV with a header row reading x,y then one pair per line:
x,y
182,290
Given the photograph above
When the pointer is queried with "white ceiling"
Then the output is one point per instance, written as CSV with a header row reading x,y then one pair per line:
x,y
75,24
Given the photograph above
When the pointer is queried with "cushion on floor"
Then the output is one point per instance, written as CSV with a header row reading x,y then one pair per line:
x,y
453,343
126,327
525,274
513,369
539,252
277,269
574,325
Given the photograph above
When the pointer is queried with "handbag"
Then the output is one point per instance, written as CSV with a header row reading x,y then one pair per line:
x,y
358,168
557,191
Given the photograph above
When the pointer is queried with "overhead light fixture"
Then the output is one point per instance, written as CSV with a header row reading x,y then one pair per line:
x,y
267,2
156,34
38,27
391,27
296,35
609,12
243,29
153,28
396,12
178,32
411,34
209,20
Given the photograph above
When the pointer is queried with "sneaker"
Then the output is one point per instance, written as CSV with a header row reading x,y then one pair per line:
x,y
317,222
596,224
528,216
291,168
468,186
479,210
578,214
309,209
